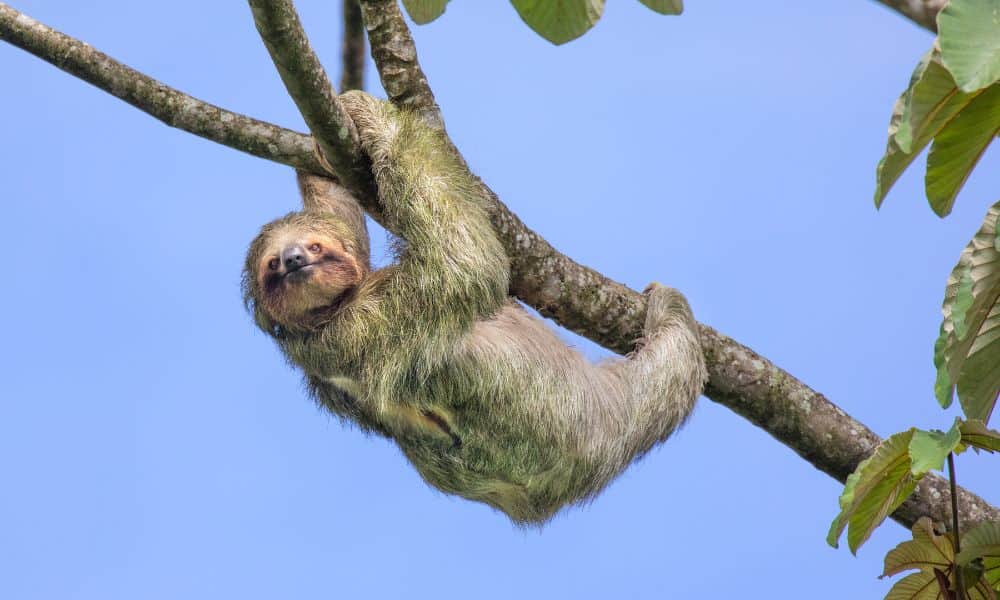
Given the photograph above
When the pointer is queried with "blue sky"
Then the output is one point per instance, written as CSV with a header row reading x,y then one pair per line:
x,y
153,444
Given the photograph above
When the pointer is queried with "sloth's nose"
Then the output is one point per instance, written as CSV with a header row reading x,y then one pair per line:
x,y
294,258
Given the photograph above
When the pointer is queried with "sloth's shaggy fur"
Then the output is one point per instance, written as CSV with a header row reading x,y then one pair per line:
x,y
484,399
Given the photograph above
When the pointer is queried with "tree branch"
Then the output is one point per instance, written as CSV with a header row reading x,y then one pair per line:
x,y
166,104
577,297
352,49
311,90
921,12
396,56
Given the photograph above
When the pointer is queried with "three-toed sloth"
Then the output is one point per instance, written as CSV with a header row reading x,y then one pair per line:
x,y
483,398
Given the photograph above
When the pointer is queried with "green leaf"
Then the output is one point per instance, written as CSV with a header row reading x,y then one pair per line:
x,y
983,542
959,146
876,488
424,11
927,551
975,434
963,302
979,381
925,586
967,351
559,21
917,586
969,33
928,449
975,585
895,160
665,7
932,102
981,591
929,103
933,554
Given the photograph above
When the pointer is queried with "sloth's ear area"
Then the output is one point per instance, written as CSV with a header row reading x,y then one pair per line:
x,y
325,195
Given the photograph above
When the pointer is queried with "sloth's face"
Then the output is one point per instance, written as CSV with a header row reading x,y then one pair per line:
x,y
303,272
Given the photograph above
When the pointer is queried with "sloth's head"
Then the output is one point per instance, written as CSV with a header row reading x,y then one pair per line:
x,y
300,269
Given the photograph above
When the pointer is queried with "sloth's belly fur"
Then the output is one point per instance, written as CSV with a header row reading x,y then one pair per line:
x,y
527,444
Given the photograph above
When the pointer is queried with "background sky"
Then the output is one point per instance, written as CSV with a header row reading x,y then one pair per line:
x,y
154,444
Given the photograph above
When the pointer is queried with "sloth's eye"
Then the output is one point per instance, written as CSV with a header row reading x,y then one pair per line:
x,y
315,248
273,264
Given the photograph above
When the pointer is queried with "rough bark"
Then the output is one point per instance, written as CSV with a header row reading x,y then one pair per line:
x,y
396,57
575,296
311,90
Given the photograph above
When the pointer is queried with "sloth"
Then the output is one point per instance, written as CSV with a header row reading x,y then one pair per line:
x,y
484,399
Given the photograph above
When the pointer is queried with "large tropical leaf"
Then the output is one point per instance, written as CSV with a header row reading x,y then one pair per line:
x,y
983,542
916,586
959,146
932,101
928,449
665,7
876,488
967,351
560,21
926,107
928,550
933,554
424,11
975,434
969,31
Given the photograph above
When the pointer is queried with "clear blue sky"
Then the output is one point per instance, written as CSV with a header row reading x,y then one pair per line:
x,y
154,445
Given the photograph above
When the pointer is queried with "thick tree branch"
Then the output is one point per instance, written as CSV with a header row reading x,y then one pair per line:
x,y
577,297
352,48
921,12
311,90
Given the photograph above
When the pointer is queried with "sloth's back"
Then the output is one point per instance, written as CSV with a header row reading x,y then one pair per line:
x,y
534,425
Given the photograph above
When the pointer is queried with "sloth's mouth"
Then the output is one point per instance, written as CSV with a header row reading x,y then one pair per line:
x,y
300,270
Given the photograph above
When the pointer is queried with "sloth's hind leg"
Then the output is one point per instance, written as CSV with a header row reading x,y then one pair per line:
x,y
665,375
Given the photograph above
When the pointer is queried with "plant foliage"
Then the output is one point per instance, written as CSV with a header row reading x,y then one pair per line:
x,y
967,351
952,103
558,21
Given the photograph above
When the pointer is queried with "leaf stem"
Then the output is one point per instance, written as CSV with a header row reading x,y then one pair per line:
x,y
959,584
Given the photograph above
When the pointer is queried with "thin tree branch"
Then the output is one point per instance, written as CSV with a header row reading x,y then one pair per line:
x,y
352,48
577,297
166,104
921,12
311,90
396,56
